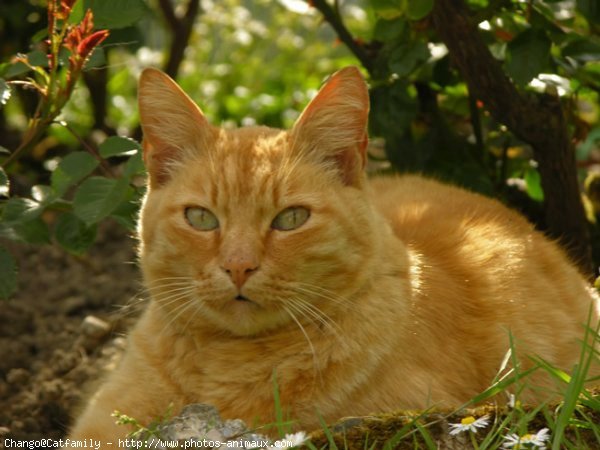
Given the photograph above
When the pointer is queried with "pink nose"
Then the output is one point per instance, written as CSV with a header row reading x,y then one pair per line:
x,y
240,269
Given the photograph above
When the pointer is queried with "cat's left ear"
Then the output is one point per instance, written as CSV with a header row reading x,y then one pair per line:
x,y
332,129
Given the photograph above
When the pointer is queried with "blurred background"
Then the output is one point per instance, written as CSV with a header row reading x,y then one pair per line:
x,y
499,96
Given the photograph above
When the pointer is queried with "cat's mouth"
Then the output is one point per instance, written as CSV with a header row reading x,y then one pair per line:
x,y
241,298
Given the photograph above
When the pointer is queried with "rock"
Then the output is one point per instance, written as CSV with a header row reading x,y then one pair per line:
x,y
17,376
95,328
201,426
51,390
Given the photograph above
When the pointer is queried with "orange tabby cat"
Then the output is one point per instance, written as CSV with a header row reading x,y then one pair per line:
x,y
268,251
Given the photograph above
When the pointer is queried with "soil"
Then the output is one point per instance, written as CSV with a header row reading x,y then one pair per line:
x,y
64,327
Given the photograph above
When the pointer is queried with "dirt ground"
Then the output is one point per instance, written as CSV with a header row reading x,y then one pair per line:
x,y
64,327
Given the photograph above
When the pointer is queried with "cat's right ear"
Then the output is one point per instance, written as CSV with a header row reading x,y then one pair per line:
x,y
332,129
173,125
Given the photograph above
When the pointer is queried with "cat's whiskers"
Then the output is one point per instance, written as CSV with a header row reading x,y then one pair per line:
x,y
321,292
297,305
158,291
177,312
288,308
173,297
168,280
131,306
327,322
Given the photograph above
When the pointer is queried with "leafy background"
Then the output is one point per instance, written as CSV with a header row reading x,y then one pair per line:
x,y
259,62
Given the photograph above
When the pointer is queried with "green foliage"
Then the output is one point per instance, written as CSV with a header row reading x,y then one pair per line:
x,y
68,209
71,170
114,14
571,420
420,106
528,55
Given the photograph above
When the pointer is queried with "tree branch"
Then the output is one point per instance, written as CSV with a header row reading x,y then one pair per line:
x,y
168,12
181,29
331,17
540,121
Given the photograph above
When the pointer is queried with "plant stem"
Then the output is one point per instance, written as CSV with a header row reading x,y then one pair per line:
x,y
473,440
33,135
105,167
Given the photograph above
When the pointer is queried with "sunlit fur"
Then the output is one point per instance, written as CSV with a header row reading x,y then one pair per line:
x,y
399,292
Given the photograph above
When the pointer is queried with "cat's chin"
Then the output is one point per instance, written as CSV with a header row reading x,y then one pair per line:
x,y
242,316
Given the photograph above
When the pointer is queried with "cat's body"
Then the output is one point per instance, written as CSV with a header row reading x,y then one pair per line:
x,y
267,252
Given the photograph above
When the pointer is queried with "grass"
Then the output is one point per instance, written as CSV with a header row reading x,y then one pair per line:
x,y
573,421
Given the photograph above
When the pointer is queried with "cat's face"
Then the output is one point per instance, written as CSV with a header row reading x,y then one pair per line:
x,y
255,228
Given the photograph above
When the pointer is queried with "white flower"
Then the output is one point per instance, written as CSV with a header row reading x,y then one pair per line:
x,y
469,423
290,441
528,440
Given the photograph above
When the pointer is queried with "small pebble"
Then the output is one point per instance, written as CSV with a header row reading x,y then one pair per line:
x,y
17,376
51,390
95,328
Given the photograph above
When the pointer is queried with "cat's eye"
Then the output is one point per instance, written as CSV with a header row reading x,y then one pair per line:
x,y
201,218
290,218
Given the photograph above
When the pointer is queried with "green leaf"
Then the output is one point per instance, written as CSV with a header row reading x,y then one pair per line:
x,y
392,109
584,149
37,58
388,30
15,69
533,184
32,232
528,55
5,92
590,9
134,166
583,49
43,194
418,9
96,59
406,57
73,234
388,9
72,169
8,274
40,36
114,14
4,183
77,12
97,197
19,210
118,146
126,214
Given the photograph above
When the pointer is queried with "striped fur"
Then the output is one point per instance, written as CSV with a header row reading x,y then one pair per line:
x,y
395,293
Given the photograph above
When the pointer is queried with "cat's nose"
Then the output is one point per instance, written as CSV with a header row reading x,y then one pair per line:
x,y
239,269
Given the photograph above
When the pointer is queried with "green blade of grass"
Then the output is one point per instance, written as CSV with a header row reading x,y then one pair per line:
x,y
426,437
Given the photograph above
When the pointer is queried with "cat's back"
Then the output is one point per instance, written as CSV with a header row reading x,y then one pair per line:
x,y
445,221
473,250
477,272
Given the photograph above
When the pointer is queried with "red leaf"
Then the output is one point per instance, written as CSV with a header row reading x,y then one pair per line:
x,y
86,46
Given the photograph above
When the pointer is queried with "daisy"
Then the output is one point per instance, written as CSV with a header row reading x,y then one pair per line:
x,y
528,440
290,440
469,423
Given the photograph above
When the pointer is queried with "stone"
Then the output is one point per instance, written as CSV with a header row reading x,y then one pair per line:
x,y
17,376
94,327
201,426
